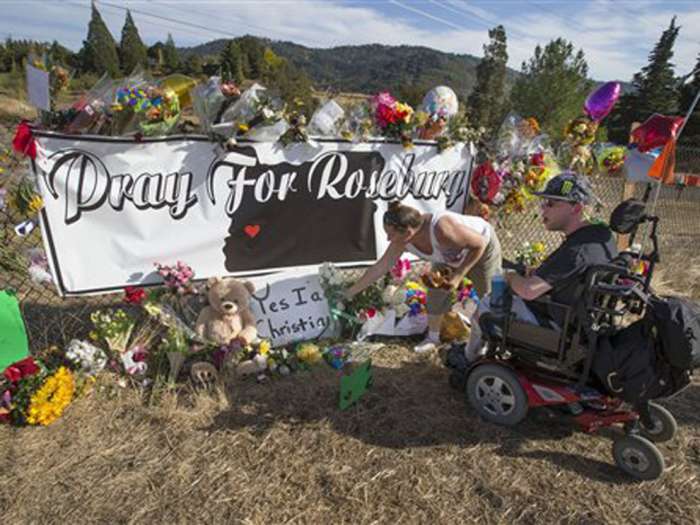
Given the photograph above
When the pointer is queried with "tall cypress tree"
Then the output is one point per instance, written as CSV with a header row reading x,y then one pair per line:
x,y
655,89
170,56
132,51
99,53
553,86
486,101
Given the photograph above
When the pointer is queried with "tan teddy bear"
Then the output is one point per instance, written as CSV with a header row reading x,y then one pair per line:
x,y
228,317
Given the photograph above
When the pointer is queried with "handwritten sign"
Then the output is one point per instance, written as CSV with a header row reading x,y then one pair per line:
x,y
292,308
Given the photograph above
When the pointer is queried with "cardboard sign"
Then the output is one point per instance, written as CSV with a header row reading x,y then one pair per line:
x,y
290,308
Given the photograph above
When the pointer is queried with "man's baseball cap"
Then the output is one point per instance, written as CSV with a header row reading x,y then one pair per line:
x,y
568,186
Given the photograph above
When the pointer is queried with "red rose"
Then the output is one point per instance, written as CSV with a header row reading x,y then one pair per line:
x,y
23,142
134,295
21,369
537,159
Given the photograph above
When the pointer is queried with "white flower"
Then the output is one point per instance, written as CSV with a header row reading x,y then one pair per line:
x,y
88,357
388,294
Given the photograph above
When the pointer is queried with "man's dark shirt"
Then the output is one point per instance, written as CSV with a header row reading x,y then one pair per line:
x,y
565,267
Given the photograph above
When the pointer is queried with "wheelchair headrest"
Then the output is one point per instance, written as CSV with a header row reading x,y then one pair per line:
x,y
627,216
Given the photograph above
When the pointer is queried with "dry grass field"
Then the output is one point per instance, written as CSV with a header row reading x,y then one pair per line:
x,y
411,451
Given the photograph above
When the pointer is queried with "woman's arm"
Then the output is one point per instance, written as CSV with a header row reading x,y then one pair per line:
x,y
378,269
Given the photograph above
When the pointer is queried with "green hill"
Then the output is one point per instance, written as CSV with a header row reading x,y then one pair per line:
x,y
370,68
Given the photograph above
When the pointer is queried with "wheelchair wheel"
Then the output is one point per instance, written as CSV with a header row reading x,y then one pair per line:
x,y
664,428
496,394
638,457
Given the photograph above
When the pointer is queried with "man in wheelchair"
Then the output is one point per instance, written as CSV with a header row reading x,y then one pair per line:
x,y
559,278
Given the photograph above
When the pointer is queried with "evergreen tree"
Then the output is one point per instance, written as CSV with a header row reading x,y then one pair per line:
x,y
171,59
193,65
486,103
553,86
232,61
99,53
691,133
655,89
253,53
132,51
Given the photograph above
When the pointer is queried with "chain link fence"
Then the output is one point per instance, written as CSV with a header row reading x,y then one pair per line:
x,y
51,319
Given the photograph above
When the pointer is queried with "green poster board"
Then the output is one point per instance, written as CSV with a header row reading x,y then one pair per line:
x,y
353,386
14,345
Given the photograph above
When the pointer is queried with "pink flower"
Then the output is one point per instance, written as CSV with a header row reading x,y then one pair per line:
x,y
401,269
383,98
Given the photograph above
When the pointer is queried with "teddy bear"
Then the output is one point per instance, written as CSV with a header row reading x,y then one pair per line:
x,y
228,317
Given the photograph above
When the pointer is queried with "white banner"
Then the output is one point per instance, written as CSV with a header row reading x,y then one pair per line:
x,y
114,207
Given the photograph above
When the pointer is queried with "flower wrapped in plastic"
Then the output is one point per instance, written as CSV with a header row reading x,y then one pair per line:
x,y
358,124
87,357
327,120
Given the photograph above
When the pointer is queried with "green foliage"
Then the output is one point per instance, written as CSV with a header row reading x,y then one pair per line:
x,y
171,59
486,102
655,89
99,53
132,51
553,86
193,65
232,62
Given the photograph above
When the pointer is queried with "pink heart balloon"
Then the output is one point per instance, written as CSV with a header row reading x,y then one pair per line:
x,y
601,101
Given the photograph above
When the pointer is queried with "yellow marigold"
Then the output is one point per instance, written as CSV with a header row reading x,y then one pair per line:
x,y
48,403
264,347
36,204
309,353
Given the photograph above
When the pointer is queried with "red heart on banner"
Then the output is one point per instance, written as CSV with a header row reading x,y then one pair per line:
x,y
252,230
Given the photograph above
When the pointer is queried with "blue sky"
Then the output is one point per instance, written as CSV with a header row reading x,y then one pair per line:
x,y
616,35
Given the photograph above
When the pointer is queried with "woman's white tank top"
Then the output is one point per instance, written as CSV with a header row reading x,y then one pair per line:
x,y
452,257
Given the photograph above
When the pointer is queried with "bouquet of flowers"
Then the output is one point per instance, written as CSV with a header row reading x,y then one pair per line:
x,y
30,394
144,107
611,159
393,118
531,254
88,358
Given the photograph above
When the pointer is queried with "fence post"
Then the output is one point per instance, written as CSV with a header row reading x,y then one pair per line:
x,y
628,191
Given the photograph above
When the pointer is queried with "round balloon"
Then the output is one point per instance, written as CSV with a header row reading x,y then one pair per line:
x,y
440,101
601,101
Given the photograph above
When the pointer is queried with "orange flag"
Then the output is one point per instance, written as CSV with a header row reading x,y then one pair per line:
x,y
664,165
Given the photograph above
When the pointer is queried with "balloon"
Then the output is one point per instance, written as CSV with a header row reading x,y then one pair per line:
x,y
181,85
486,182
601,101
440,101
656,131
